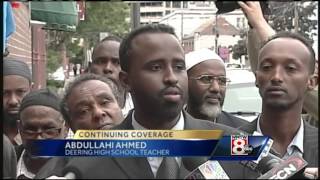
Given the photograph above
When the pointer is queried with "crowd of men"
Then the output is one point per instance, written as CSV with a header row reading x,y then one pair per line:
x,y
146,81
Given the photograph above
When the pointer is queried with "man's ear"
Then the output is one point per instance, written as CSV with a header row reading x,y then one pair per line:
x,y
124,80
312,82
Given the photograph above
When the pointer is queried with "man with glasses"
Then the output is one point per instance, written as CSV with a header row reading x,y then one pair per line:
x,y
207,87
40,118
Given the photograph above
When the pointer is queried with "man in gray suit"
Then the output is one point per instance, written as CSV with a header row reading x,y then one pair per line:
x,y
284,74
154,72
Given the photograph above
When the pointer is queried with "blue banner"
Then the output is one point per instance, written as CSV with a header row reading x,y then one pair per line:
x,y
123,148
234,147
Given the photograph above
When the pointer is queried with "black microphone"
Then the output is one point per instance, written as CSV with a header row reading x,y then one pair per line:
x,y
272,167
74,168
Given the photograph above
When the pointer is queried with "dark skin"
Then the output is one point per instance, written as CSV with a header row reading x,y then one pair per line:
x,y
283,77
92,105
105,60
39,118
157,79
211,94
14,89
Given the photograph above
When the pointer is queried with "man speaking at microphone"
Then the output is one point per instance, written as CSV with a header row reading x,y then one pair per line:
x,y
154,72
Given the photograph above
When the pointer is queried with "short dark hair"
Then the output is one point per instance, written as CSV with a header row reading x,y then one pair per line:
x,y
108,38
81,79
299,37
126,44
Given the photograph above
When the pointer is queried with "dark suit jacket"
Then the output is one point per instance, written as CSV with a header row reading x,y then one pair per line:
x,y
9,160
230,120
310,141
133,167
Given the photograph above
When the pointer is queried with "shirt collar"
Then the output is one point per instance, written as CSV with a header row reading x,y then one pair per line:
x,y
178,126
22,169
297,141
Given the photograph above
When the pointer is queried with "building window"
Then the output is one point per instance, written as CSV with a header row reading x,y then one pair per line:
x,y
238,22
167,12
168,4
176,4
185,4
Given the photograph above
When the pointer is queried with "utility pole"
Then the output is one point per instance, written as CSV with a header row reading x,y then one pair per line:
x,y
296,16
181,22
135,14
217,34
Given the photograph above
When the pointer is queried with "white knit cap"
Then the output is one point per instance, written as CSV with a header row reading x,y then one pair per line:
x,y
195,57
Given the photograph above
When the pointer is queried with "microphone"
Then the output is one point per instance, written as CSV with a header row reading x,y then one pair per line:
x,y
70,175
208,170
202,169
273,167
73,169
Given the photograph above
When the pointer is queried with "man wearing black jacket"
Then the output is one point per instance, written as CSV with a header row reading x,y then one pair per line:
x,y
154,72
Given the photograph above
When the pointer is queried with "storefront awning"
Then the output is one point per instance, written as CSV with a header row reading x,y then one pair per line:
x,y
58,15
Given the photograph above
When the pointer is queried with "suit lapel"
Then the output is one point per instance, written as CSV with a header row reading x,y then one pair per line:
x,y
310,142
250,127
133,166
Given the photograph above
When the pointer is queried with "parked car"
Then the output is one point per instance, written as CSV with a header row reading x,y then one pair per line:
x,y
234,66
242,96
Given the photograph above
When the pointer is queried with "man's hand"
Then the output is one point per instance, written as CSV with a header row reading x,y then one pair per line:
x,y
253,12
311,173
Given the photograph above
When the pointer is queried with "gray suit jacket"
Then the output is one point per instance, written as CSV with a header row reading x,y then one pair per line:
x,y
230,120
133,167
9,159
310,141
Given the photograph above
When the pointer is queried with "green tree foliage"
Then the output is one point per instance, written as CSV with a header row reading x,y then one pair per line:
x,y
102,16
282,17
53,60
240,48
75,52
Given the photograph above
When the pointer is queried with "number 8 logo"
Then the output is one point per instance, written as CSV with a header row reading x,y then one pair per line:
x,y
238,146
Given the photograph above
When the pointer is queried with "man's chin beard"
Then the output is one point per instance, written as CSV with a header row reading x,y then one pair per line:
x,y
210,111
10,119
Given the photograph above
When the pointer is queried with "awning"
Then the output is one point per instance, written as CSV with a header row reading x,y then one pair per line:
x,y
59,15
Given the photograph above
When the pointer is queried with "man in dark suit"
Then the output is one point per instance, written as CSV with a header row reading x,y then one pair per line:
x,y
284,74
207,88
9,160
154,72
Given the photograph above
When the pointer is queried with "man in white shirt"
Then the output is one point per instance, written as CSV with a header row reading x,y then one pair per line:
x,y
154,72
284,74
40,118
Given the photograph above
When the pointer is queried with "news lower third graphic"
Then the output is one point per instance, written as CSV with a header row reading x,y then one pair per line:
x,y
153,143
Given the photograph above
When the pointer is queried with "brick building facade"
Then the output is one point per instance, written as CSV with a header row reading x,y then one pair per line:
x,y
27,43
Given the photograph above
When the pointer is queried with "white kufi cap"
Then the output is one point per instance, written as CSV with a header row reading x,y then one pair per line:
x,y
195,57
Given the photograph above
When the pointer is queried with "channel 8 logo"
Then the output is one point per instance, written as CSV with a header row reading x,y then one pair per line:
x,y
240,145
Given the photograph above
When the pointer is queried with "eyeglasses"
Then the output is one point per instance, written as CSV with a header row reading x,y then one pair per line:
x,y
46,133
208,79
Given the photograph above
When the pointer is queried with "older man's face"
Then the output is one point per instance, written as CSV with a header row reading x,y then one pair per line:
x,y
207,98
92,105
